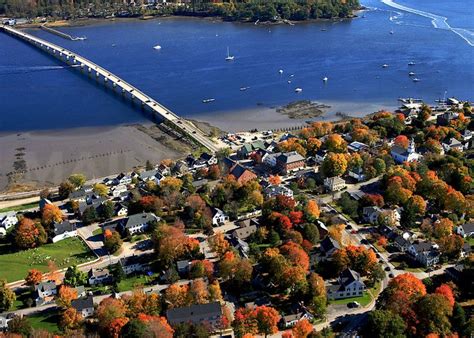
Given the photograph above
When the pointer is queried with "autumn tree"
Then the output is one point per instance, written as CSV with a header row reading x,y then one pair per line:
x,y
401,141
29,234
66,295
199,269
312,210
101,189
51,214
234,268
112,241
218,243
177,296
434,312
70,319
446,291
267,319
34,277
443,228
111,313
77,180
385,324
336,231
274,179
157,326
451,245
302,329
171,243
334,165
198,291
215,293
336,144
245,322
7,296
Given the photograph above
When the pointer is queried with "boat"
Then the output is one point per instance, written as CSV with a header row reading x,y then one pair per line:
x,y
157,47
256,22
289,81
208,100
411,74
384,65
280,71
391,32
323,29
292,75
298,90
325,79
242,89
229,57
411,63
114,45
416,79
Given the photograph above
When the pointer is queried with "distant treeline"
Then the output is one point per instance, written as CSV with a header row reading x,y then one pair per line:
x,y
232,10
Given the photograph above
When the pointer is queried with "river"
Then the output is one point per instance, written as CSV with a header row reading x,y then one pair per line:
x,y
38,92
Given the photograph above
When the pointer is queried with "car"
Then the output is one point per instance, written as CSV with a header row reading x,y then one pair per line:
x,y
377,255
387,268
391,275
430,269
353,305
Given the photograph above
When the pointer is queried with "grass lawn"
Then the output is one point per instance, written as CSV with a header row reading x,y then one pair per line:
x,y
15,266
130,283
97,232
45,320
20,207
363,301
407,268
470,240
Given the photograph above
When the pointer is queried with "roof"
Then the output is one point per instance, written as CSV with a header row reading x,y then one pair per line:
x,y
452,142
238,170
65,226
77,194
334,180
468,227
348,276
290,157
371,210
401,241
139,219
249,147
327,244
422,247
244,233
135,259
99,272
356,146
83,303
149,173
44,286
197,313
206,156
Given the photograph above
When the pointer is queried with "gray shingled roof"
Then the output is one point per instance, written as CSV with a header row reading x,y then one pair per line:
x,y
195,313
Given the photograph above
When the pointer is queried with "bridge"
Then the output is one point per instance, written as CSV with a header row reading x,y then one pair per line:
x,y
74,59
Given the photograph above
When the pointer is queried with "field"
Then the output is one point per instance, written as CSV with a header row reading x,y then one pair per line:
x,y
47,320
15,266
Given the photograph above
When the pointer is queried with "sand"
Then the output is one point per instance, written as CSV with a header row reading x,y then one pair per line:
x,y
48,157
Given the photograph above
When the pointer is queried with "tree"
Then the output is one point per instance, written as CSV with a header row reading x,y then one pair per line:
x,y
157,326
335,143
417,204
74,277
199,269
66,295
215,293
334,165
401,141
312,210
451,245
112,241
108,311
65,189
385,324
34,277
29,234
267,319
101,189
106,210
77,180
135,328
116,326
335,232
21,326
51,214
198,291
117,272
302,329
171,183
177,296
274,180
218,243
245,322
443,228
311,233
7,296
459,319
433,311
446,291
171,243
70,319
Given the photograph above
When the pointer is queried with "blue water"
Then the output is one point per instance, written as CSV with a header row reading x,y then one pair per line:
x,y
37,92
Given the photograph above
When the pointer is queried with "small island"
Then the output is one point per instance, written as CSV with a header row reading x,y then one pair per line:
x,y
303,109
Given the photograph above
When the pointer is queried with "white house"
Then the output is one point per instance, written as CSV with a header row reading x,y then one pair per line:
x,y
8,220
99,276
45,292
117,190
133,264
218,217
320,156
425,253
401,154
349,284
371,214
270,159
334,183
121,210
293,319
275,190
208,158
64,230
466,230
452,143
84,306
122,179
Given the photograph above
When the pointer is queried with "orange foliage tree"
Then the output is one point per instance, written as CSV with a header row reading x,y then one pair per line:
x,y
402,141
446,291
157,325
70,319
274,179
29,234
219,244
66,295
109,310
34,277
302,329
312,210
51,214
177,296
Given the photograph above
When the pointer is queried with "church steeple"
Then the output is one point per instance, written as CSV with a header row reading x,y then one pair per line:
x,y
411,147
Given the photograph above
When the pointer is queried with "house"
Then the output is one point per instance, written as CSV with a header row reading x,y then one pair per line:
x,y
244,232
466,135
446,118
3,232
466,230
401,243
349,284
218,217
241,174
320,156
8,220
291,320
275,190
452,144
240,245
133,264
183,267
4,319
208,158
334,183
122,179
456,272
99,276
79,195
387,232
64,230
270,159
425,253
121,210
117,190
138,222
328,246
288,162
164,170
84,306
249,149
150,175
357,146
180,167
80,291
94,203
358,174
209,314
45,292
401,155
371,214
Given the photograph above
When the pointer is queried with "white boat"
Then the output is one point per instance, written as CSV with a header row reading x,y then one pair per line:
x,y
280,71
292,75
411,74
289,81
157,47
325,79
384,65
244,88
411,63
391,32
208,100
298,90
416,79
229,57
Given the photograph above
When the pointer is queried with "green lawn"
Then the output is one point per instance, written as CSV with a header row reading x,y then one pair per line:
x,y
408,268
20,207
130,283
470,240
364,300
45,320
15,266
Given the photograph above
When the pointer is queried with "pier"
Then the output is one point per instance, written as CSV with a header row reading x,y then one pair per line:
x,y
61,34
100,73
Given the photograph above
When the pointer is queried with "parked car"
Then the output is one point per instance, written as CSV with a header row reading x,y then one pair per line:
x,y
353,305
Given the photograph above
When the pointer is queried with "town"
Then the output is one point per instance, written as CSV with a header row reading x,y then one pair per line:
x,y
360,227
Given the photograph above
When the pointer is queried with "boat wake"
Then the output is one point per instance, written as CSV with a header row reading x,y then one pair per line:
x,y
438,21
6,70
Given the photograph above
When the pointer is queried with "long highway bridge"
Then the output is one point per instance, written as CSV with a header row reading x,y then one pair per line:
x,y
71,58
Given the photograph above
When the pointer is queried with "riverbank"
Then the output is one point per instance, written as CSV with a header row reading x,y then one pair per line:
x,y
46,158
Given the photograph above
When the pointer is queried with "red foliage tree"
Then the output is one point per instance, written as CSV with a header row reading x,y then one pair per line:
x,y
446,291
402,141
